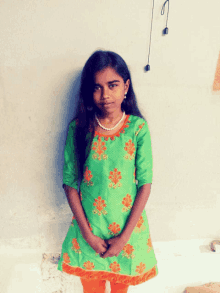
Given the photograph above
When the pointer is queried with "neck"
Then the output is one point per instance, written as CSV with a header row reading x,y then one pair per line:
x,y
110,117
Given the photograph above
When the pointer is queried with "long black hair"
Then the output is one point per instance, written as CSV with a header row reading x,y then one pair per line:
x,y
98,61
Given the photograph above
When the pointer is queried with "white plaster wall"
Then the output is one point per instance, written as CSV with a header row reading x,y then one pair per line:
x,y
44,45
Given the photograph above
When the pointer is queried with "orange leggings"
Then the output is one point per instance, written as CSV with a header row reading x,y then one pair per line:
x,y
98,286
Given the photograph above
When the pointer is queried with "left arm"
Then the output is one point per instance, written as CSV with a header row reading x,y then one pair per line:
x,y
136,211
143,163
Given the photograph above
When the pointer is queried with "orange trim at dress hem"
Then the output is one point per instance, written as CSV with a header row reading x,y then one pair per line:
x,y
111,277
121,130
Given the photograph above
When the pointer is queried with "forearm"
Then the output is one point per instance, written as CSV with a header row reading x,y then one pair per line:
x,y
77,209
136,211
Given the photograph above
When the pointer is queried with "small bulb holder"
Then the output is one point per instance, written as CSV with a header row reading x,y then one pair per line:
x,y
147,67
165,31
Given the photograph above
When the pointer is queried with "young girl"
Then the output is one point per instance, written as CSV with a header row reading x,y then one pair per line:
x,y
108,150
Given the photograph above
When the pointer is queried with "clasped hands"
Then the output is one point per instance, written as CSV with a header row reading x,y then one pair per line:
x,y
108,247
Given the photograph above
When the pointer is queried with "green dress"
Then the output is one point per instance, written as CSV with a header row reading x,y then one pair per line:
x,y
117,166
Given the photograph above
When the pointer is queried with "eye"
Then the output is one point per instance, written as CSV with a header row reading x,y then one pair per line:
x,y
113,85
96,88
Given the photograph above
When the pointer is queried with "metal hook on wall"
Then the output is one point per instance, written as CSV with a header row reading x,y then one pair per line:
x,y
165,30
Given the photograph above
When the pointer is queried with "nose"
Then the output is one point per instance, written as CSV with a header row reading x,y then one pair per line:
x,y
105,93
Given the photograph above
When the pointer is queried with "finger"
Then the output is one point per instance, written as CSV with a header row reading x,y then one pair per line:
x,y
103,252
106,242
104,249
106,254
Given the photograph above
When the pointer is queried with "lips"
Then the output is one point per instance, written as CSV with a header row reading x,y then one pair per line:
x,y
106,104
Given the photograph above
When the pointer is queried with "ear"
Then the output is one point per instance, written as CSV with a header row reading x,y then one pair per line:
x,y
127,85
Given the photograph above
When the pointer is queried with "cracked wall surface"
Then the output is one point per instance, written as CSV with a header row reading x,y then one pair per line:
x,y
55,281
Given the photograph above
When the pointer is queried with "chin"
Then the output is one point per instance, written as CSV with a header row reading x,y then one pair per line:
x,y
111,110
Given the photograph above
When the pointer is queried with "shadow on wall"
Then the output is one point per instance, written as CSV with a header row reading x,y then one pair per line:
x,y
54,214
69,101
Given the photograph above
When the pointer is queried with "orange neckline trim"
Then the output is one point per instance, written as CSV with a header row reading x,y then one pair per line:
x,y
111,277
121,130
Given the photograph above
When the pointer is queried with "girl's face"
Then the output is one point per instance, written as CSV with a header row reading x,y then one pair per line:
x,y
109,90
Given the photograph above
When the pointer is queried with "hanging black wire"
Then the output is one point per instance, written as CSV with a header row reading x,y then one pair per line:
x,y
165,30
147,67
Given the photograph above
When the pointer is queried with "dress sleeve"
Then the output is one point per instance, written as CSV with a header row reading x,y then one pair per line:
x,y
144,162
70,171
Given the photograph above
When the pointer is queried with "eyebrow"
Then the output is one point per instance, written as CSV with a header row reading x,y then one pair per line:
x,y
109,82
114,81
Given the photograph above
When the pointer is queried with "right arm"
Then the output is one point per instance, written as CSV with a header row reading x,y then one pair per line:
x,y
70,184
98,244
77,209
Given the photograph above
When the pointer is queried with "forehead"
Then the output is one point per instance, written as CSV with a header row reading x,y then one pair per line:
x,y
106,75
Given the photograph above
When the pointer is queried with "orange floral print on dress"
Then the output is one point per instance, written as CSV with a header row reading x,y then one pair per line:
x,y
99,148
130,149
87,177
66,258
140,127
114,229
110,276
115,267
128,251
115,176
149,244
88,265
99,206
139,226
141,268
76,246
127,203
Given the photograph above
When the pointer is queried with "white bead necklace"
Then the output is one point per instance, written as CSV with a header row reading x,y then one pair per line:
x,y
103,127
